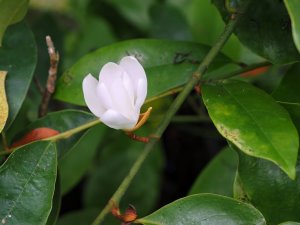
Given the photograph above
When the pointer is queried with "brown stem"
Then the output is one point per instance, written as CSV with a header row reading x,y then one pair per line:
x,y
50,86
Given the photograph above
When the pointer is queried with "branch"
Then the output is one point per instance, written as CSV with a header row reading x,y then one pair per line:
x,y
195,79
50,86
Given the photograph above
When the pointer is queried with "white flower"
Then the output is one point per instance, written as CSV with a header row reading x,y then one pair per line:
x,y
117,97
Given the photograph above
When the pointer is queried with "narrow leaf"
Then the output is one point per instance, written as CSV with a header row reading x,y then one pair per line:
x,y
253,121
3,101
205,209
11,11
27,181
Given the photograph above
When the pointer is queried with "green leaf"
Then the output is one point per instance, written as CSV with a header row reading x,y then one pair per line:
x,y
18,56
293,10
11,11
3,101
164,71
210,181
134,11
288,91
56,203
253,121
266,32
65,122
74,165
27,181
169,23
114,163
269,189
205,209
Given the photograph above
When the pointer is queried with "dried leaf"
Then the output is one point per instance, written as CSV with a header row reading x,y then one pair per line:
x,y
35,135
3,101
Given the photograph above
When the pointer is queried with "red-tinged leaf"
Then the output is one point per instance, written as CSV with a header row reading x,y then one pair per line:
x,y
35,135
256,72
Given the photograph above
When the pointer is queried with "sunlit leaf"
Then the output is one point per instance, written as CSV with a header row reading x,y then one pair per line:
x,y
293,9
253,121
11,11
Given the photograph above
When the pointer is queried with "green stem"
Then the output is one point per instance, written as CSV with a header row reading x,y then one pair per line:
x,y
169,115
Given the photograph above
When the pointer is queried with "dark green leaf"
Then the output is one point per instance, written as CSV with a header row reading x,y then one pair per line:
x,y
269,189
253,121
134,11
205,209
265,29
168,64
11,11
288,91
27,181
56,203
169,23
293,10
64,122
210,181
118,154
18,57
79,159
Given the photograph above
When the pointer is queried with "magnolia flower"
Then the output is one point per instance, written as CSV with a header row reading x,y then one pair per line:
x,y
117,97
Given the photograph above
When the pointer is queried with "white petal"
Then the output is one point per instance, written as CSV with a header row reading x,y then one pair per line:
x,y
123,103
141,93
109,72
89,86
116,120
129,87
134,69
104,96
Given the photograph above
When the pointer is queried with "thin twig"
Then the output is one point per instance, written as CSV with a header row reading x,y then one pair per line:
x,y
50,86
196,77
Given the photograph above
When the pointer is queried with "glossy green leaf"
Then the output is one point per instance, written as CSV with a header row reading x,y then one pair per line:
x,y
288,91
18,56
269,189
168,64
266,32
118,154
11,11
205,209
293,10
79,159
65,122
27,181
253,121
56,203
210,181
